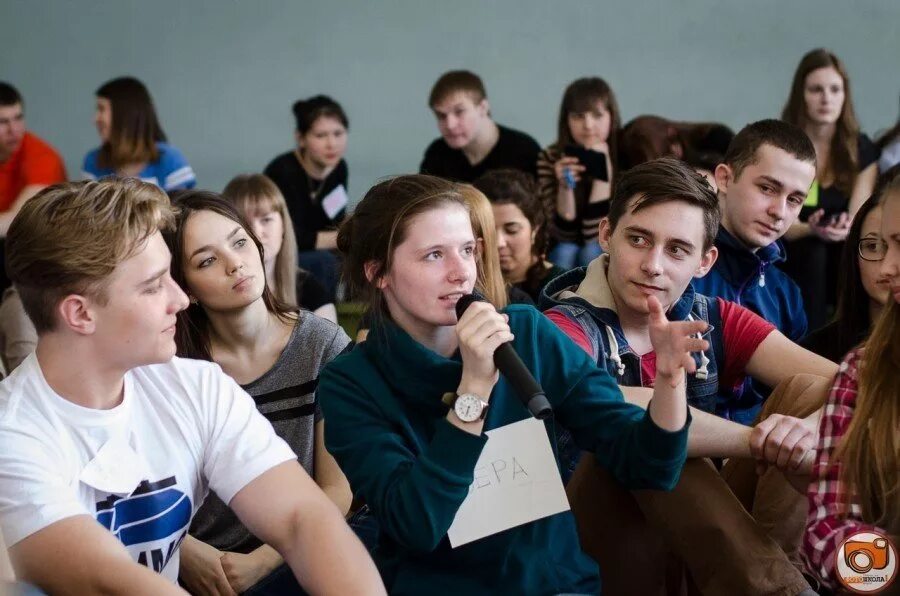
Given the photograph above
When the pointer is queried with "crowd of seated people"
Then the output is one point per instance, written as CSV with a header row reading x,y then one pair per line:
x,y
711,316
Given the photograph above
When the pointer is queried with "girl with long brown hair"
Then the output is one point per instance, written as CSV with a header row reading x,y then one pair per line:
x,y
821,104
856,478
273,351
578,199
133,142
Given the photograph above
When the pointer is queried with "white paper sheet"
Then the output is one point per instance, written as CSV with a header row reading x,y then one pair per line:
x,y
335,201
516,482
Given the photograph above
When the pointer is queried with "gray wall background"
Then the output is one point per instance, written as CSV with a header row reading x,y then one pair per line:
x,y
224,73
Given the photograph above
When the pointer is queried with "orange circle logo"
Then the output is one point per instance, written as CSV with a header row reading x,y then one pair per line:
x,y
866,563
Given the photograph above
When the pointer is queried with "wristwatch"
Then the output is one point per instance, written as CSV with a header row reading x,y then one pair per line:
x,y
467,406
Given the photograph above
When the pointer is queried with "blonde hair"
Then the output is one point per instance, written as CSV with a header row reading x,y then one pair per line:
x,y
69,238
490,276
255,193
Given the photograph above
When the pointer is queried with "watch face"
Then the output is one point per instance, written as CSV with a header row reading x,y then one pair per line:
x,y
468,408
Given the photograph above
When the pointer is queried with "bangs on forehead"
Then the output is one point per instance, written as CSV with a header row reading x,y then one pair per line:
x,y
587,103
256,205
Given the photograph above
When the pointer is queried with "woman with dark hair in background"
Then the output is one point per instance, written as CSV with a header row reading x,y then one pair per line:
x,y
522,232
862,289
274,352
889,144
821,104
576,193
700,144
313,179
263,206
133,142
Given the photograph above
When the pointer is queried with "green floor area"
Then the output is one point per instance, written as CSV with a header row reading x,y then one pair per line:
x,y
349,314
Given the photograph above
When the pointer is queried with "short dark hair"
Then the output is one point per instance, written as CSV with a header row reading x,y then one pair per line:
x,y
742,151
457,81
9,95
307,111
662,181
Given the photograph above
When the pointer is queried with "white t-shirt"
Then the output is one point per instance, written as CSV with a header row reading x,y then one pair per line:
x,y
141,469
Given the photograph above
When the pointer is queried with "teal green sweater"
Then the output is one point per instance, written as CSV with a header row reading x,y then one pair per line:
x,y
387,430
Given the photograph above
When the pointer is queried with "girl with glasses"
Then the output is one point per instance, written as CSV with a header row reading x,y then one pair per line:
x,y
863,290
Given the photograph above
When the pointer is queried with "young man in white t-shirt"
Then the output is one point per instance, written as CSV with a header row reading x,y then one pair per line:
x,y
108,444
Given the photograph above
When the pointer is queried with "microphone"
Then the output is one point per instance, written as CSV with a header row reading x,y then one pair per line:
x,y
508,362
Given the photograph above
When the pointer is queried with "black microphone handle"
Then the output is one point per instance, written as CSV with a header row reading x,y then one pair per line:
x,y
527,388
511,366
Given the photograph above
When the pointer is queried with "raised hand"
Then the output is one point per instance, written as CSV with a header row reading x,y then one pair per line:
x,y
673,342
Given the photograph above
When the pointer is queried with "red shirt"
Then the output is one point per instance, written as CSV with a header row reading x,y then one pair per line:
x,y
742,332
33,162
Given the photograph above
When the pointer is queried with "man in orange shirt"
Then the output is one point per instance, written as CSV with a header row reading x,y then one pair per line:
x,y
27,164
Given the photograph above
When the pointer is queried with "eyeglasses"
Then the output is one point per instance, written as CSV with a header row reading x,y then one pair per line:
x,y
871,249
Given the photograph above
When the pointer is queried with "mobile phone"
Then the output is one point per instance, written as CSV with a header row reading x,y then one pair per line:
x,y
830,217
594,162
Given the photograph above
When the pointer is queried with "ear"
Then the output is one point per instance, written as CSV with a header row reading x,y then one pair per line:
x,y
371,271
299,138
724,176
707,262
484,107
77,313
605,234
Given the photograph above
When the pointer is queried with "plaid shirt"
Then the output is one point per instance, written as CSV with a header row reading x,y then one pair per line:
x,y
826,525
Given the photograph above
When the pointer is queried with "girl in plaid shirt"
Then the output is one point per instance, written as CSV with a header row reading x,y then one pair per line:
x,y
856,478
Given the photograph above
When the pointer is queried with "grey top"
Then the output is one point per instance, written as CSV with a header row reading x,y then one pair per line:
x,y
285,395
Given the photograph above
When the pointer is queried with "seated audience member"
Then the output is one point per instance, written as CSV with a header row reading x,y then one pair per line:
x,y
762,183
18,337
577,197
133,143
863,290
889,145
856,476
658,236
495,288
646,138
410,453
273,351
820,103
263,206
27,163
521,230
313,179
108,443
471,142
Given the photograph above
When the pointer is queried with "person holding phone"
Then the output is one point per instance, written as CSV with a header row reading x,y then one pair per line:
x,y
575,173
821,104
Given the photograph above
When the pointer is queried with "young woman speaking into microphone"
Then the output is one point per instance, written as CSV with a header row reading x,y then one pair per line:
x,y
408,410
